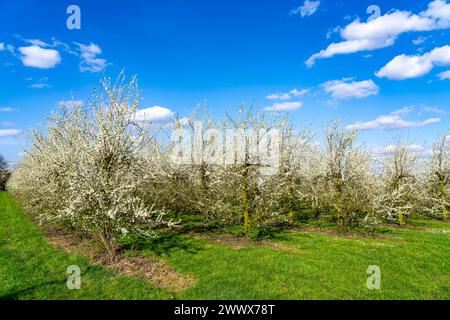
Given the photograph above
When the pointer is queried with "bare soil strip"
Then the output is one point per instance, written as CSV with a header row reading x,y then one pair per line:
x,y
237,242
157,271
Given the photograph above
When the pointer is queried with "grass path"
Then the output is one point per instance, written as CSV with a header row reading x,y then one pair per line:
x,y
415,264
30,268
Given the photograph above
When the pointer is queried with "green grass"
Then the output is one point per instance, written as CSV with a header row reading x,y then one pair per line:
x,y
30,268
414,262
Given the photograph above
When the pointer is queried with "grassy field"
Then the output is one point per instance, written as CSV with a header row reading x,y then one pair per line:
x,y
309,263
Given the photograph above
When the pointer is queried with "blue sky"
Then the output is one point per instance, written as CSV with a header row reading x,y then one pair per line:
x,y
386,74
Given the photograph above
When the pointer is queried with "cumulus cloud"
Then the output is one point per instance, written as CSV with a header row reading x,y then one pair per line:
x,y
6,110
156,115
9,132
287,95
284,106
392,121
348,89
307,9
384,30
440,11
406,67
37,57
444,75
89,60
2,46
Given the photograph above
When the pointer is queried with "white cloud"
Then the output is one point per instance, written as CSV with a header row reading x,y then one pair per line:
x,y
2,46
420,40
64,46
284,106
406,67
444,75
54,43
440,11
346,47
155,115
348,89
307,9
391,148
6,109
9,132
391,121
298,93
287,95
403,110
435,110
440,56
37,42
279,96
89,60
330,32
39,86
37,57
384,30
11,49
71,103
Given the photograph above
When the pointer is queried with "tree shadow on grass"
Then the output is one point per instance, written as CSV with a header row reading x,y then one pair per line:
x,y
194,224
17,294
166,243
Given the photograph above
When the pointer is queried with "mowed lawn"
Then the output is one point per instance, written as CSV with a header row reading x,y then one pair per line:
x,y
414,263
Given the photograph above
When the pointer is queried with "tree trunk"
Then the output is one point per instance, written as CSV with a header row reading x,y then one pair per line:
x,y
339,211
401,219
291,215
245,199
442,194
